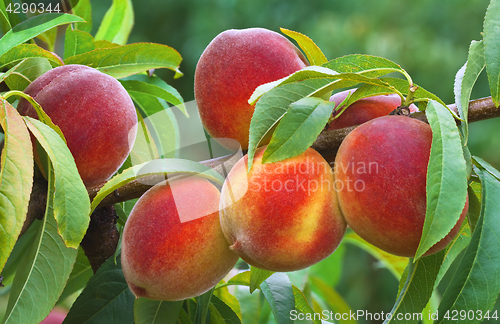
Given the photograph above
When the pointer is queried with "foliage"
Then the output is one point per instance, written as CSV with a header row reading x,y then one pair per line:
x,y
44,266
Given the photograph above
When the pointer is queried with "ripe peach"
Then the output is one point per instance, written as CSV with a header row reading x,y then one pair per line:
x,y
95,114
172,246
282,216
231,67
56,316
364,109
380,178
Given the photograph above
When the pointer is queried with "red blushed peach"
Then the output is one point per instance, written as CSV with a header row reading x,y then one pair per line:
x,y
95,114
364,109
282,216
56,316
231,67
173,247
380,177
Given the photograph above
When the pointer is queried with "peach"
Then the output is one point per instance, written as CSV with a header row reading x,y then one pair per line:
x,y
364,109
380,178
56,316
228,71
95,114
173,247
282,216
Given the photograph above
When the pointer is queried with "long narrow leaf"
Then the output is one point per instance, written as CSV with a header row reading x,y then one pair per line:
x,y
71,200
47,266
446,178
417,289
23,51
160,166
16,178
476,284
464,82
33,27
105,299
117,22
123,61
279,294
491,36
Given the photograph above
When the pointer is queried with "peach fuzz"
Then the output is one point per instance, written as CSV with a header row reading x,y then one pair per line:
x,y
380,174
95,114
228,71
282,216
173,247
364,109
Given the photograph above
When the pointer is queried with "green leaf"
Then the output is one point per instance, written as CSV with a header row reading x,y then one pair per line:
x,y
105,44
464,82
49,37
159,166
46,268
253,306
321,72
77,42
486,166
229,300
364,91
16,178
417,289
71,200
403,86
18,253
453,250
395,264
26,72
24,51
242,279
313,52
298,129
360,63
202,306
446,178
302,305
257,277
491,37
220,312
279,294
315,81
161,124
147,311
476,284
42,116
106,299
4,18
144,148
12,17
273,105
117,22
33,27
83,9
474,209
156,87
332,298
123,61
79,277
